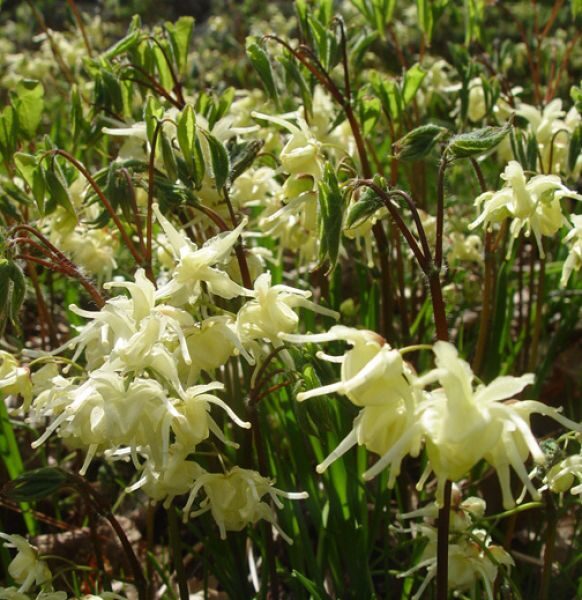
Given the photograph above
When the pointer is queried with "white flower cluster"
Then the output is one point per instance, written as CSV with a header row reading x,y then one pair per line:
x,y
143,397
458,423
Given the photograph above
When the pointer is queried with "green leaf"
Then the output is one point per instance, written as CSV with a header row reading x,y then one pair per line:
x,y
110,90
5,286
35,485
220,161
153,114
186,129
575,148
33,174
125,44
331,201
576,95
378,13
168,157
315,593
477,142
369,110
425,18
58,190
77,121
389,93
242,157
8,137
293,73
262,65
164,73
412,81
180,34
367,204
418,143
474,14
18,290
28,102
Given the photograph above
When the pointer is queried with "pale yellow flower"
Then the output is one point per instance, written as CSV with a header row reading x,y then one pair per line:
x,y
26,567
235,499
532,205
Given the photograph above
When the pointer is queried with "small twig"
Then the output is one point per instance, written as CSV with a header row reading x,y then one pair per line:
x,y
78,18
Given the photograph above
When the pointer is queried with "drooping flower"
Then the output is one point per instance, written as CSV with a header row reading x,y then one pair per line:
x,y
463,425
302,152
235,499
375,378
562,476
26,567
196,265
553,129
271,311
532,205
14,379
109,413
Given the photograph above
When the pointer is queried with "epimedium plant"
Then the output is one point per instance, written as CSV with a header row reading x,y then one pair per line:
x,y
408,185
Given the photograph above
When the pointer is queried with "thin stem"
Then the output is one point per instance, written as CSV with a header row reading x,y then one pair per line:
x,y
438,251
488,287
419,227
77,15
43,315
444,515
553,140
555,12
54,48
62,264
401,283
488,283
239,248
97,298
174,535
177,84
134,208
479,174
97,547
82,169
344,45
565,58
422,260
155,85
259,376
88,492
551,523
